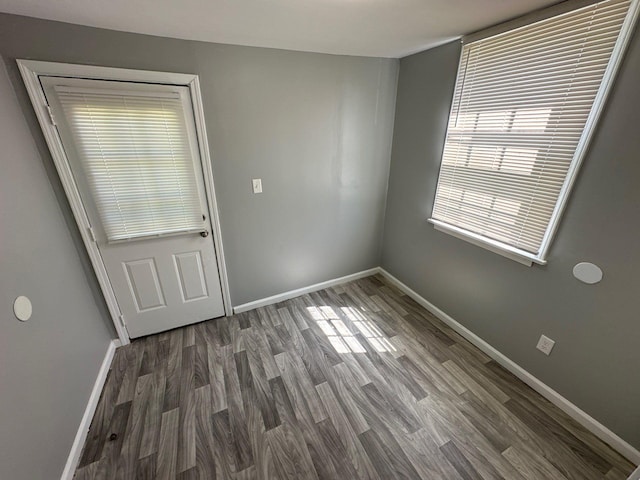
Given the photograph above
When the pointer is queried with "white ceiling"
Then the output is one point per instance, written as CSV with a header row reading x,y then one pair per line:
x,y
379,28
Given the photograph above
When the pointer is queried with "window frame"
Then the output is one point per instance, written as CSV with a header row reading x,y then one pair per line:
x,y
617,56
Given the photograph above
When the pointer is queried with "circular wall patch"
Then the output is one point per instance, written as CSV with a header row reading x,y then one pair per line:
x,y
587,272
22,308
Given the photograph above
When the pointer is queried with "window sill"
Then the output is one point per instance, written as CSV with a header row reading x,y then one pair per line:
x,y
520,256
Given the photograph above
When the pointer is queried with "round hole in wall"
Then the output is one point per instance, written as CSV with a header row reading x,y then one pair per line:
x,y
22,308
587,272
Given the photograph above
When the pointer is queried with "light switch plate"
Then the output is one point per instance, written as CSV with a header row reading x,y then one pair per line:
x,y
257,185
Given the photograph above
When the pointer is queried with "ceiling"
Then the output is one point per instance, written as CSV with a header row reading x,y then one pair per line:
x,y
377,28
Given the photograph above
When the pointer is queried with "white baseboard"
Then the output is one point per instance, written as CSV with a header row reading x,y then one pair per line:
x,y
85,423
590,423
281,297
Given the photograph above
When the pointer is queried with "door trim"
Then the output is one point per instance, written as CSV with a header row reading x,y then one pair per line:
x,y
31,70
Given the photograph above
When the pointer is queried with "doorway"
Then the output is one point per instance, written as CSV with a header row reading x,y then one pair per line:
x,y
130,148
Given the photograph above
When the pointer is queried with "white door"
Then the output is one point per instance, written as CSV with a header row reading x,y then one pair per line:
x,y
134,155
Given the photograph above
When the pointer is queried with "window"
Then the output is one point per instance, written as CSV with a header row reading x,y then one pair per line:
x,y
524,106
137,155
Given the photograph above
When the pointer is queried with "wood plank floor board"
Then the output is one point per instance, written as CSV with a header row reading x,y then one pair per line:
x,y
224,331
127,388
486,422
107,465
104,411
375,451
129,452
153,416
329,438
351,398
216,379
146,468
88,472
311,357
266,403
237,419
615,474
581,449
305,401
282,400
425,456
205,439
523,393
391,369
174,368
356,381
237,334
400,463
189,336
298,316
149,356
453,428
315,334
222,437
321,457
392,411
532,466
167,459
558,453
187,431
348,438
460,462
244,321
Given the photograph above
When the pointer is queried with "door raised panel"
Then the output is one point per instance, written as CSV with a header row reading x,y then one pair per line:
x,y
142,277
191,276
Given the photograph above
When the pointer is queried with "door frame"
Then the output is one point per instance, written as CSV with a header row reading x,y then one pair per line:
x,y
31,70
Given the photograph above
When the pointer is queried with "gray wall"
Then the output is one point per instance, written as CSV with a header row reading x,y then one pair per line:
x,y
47,365
596,328
316,128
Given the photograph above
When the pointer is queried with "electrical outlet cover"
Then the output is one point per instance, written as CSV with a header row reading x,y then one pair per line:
x,y
545,344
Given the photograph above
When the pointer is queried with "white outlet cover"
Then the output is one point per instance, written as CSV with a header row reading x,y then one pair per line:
x,y
22,308
545,344
256,183
587,272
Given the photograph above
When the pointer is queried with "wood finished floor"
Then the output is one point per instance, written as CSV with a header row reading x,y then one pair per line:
x,y
352,382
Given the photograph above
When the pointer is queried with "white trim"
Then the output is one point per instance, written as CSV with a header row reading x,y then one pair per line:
x,y
494,246
301,291
635,475
615,61
85,423
74,70
207,169
31,70
590,423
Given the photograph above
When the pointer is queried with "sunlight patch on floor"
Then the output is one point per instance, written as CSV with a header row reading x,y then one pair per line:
x,y
341,336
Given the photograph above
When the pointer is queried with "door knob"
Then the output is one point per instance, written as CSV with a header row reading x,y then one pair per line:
x,y
204,233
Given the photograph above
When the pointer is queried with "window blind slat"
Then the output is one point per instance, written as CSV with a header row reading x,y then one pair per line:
x,y
520,105
136,154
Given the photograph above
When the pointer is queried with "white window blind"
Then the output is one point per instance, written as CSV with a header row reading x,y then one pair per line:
x,y
521,103
137,158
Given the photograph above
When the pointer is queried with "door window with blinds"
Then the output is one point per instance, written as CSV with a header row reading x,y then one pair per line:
x,y
137,151
524,106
